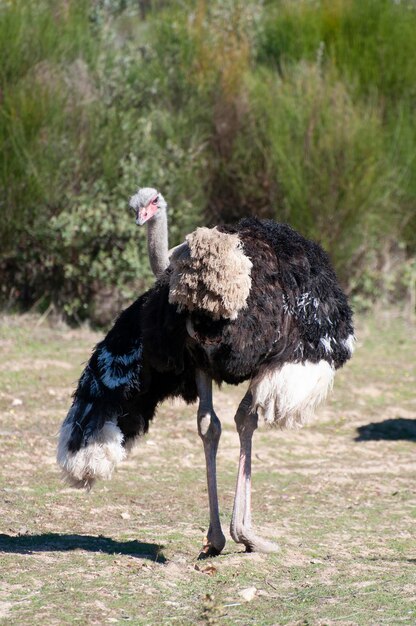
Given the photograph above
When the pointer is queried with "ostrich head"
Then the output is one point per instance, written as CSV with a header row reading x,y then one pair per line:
x,y
148,204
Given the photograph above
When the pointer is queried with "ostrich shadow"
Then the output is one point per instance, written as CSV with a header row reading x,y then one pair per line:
x,y
395,429
55,542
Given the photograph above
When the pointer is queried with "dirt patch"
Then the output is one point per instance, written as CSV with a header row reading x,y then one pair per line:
x,y
5,608
340,508
34,364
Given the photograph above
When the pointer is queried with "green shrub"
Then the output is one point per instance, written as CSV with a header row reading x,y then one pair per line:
x,y
371,42
371,46
78,139
335,181
301,111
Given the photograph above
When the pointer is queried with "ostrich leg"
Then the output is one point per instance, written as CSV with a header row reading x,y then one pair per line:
x,y
241,531
209,429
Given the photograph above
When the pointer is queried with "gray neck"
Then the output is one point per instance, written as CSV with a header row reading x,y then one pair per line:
x,y
157,243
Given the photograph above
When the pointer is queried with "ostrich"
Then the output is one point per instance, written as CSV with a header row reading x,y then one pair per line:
x,y
254,301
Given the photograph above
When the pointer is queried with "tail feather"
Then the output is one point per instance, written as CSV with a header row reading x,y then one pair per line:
x,y
92,441
121,385
103,448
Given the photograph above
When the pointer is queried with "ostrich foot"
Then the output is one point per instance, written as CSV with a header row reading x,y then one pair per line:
x,y
253,542
212,547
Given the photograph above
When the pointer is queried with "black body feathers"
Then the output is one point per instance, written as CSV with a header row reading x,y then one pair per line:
x,y
126,377
295,313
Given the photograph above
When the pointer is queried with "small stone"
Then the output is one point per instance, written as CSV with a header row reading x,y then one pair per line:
x,y
248,594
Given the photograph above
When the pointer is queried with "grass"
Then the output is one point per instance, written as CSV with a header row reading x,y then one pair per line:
x,y
339,501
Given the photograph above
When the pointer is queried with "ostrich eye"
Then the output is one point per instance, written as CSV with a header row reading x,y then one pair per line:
x,y
156,200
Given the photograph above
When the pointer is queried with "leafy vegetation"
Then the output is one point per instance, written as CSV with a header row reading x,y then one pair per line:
x,y
300,111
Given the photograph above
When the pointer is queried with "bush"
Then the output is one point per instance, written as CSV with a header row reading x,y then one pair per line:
x,y
371,47
334,178
79,137
371,42
300,111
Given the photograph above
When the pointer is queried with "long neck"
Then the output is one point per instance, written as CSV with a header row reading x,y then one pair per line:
x,y
157,243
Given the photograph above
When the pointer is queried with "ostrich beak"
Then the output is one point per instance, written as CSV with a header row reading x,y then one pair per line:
x,y
145,213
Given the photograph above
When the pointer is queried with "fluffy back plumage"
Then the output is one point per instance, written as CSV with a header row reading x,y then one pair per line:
x,y
210,273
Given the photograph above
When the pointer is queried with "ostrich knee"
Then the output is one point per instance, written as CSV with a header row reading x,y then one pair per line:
x,y
209,428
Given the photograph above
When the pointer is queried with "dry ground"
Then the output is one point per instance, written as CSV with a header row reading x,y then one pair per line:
x,y
339,496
